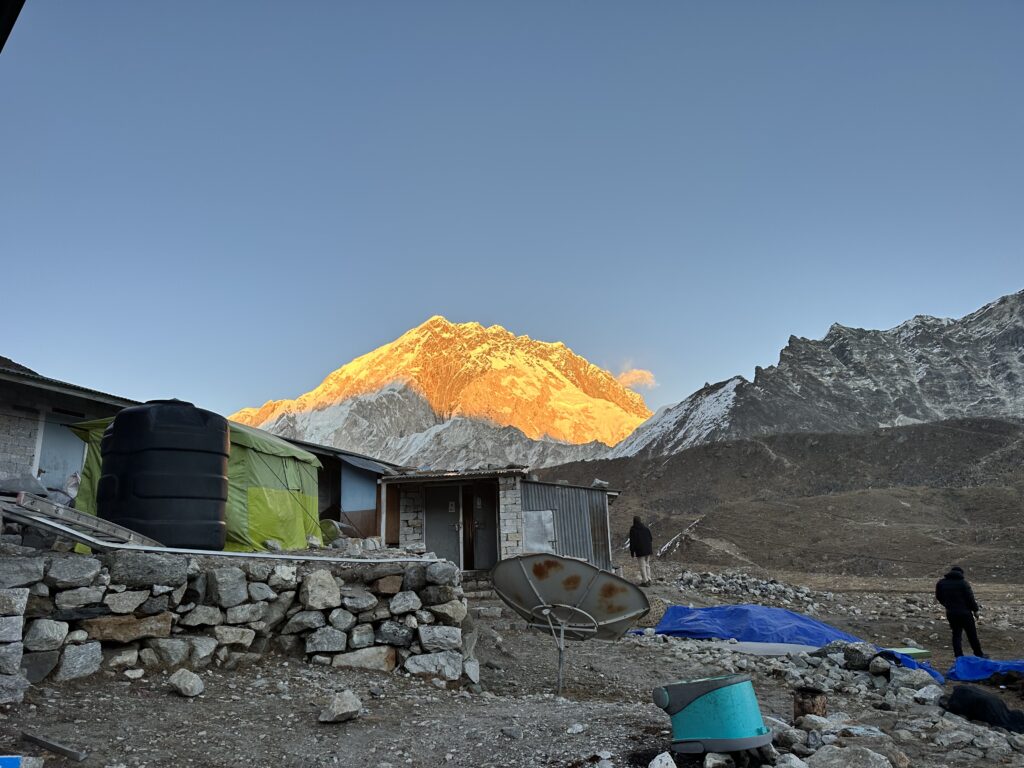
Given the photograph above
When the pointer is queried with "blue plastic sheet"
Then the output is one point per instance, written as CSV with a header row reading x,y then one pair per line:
x,y
762,624
748,623
968,668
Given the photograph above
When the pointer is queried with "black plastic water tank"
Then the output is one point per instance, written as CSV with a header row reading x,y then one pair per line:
x,y
165,467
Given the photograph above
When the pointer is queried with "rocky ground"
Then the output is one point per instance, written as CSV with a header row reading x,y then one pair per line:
x,y
269,713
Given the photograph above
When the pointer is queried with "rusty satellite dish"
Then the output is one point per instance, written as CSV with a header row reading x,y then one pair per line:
x,y
569,599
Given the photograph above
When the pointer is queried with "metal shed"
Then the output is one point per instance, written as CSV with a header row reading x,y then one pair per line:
x,y
579,517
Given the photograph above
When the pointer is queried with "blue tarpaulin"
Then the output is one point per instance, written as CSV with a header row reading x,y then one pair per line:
x,y
762,624
749,624
976,668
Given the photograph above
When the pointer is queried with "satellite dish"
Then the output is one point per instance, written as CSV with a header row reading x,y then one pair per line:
x,y
569,599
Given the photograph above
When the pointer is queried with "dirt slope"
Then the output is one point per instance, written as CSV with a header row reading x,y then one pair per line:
x,y
899,501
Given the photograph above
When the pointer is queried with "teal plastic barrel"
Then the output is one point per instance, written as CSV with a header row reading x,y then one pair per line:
x,y
713,714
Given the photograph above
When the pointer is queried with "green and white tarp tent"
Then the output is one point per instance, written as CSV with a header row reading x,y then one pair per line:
x,y
272,487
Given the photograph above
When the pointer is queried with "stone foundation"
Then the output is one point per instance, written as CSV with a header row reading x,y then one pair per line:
x,y
64,617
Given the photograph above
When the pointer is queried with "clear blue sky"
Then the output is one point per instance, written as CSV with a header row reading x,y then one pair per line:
x,y
225,201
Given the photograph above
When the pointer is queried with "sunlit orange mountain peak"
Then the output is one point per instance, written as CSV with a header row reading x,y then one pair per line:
x,y
464,369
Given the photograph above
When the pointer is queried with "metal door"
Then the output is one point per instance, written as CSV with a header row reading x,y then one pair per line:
x,y
62,452
539,530
443,523
485,520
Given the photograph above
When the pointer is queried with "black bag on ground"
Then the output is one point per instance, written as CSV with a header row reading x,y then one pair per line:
x,y
975,704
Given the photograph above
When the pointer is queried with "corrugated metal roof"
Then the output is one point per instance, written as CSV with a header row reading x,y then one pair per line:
x,y
359,460
56,385
468,474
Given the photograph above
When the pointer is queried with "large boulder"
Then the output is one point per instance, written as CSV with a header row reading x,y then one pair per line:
x,y
144,569
20,571
446,665
124,629
79,661
380,658
72,571
916,679
319,590
227,587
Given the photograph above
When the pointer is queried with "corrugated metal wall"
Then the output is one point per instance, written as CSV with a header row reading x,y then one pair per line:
x,y
581,519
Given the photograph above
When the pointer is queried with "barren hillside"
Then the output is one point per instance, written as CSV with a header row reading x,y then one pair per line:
x,y
902,500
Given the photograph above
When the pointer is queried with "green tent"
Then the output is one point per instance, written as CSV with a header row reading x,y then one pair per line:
x,y
272,487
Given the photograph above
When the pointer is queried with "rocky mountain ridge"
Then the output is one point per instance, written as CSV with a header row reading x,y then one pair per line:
x,y
459,394
924,370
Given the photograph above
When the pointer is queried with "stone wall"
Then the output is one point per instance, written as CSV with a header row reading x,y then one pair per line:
x,y
510,516
19,430
411,513
64,617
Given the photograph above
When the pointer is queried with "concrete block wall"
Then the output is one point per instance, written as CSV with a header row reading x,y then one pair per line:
x,y
19,431
410,530
510,516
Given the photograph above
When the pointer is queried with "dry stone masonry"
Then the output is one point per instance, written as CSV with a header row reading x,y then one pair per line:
x,y
68,616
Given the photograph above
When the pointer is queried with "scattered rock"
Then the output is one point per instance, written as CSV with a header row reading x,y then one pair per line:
x,y
186,683
342,707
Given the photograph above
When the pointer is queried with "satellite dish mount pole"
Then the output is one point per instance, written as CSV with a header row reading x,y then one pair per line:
x,y
558,617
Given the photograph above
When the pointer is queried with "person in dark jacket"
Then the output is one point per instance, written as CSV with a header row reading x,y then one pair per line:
x,y
641,546
957,597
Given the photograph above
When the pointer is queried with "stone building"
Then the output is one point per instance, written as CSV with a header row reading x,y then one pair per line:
x,y
475,518
34,414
